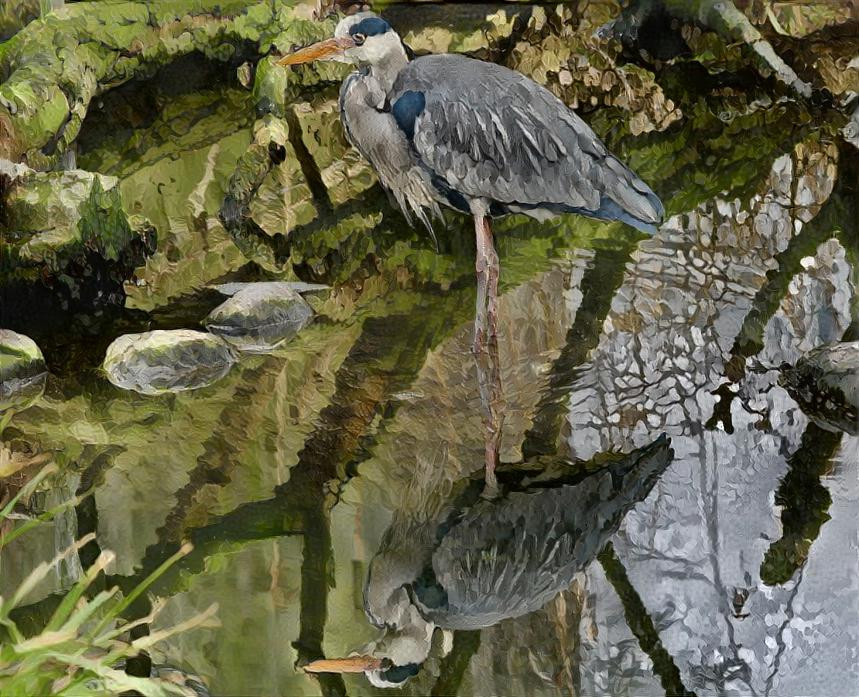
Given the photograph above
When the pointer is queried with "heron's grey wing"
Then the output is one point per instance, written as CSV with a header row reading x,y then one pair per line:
x,y
508,557
492,133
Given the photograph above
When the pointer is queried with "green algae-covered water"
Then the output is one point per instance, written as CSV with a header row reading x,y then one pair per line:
x,y
736,573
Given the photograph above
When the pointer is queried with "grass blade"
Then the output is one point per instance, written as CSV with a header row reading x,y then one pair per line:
x,y
65,608
39,573
26,490
184,550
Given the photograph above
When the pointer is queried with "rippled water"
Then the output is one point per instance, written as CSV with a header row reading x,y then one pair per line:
x,y
736,573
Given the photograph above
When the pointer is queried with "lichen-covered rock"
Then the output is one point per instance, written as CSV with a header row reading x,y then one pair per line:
x,y
22,370
260,316
825,384
830,59
167,361
800,19
447,28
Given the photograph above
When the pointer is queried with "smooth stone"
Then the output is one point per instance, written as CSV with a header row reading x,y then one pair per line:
x,y
167,361
22,370
259,317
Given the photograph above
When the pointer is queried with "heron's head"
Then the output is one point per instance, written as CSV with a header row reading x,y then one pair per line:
x,y
361,39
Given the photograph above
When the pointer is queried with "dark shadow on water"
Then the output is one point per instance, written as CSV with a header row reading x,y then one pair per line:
x,y
317,559
602,277
805,503
453,666
641,625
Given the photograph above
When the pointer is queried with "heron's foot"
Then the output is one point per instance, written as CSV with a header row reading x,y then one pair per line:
x,y
491,490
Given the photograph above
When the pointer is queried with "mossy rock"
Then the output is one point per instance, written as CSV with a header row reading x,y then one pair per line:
x,y
53,68
68,242
563,50
55,218
343,171
22,370
162,361
16,14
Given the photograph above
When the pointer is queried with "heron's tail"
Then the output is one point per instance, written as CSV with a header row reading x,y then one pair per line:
x,y
630,200
648,220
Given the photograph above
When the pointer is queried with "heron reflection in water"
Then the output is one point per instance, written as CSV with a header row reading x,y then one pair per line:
x,y
476,561
446,130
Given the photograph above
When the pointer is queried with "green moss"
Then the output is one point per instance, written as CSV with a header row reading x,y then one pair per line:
x,y
343,172
16,14
283,200
113,141
69,57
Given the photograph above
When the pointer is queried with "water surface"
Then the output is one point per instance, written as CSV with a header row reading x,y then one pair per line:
x,y
736,574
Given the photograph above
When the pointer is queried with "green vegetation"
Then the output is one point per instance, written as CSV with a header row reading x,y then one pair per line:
x,y
57,219
80,650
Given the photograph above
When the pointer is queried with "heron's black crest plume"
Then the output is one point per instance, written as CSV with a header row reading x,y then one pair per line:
x,y
371,26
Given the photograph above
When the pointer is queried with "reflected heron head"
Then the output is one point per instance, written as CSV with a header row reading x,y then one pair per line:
x,y
397,654
361,39
380,672
388,661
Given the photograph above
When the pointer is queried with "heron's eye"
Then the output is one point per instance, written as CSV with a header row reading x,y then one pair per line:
x,y
358,39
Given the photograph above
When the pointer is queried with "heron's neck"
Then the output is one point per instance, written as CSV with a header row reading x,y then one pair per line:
x,y
389,65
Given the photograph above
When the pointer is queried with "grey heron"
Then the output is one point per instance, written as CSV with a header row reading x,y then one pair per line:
x,y
480,561
447,130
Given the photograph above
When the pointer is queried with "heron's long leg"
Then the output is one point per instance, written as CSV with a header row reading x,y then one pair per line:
x,y
485,347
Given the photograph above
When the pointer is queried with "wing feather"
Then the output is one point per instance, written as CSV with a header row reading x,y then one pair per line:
x,y
492,133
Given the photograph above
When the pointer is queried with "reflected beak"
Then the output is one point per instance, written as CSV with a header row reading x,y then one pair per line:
x,y
352,664
318,51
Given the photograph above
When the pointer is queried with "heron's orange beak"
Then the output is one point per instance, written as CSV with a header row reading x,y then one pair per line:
x,y
353,664
317,51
